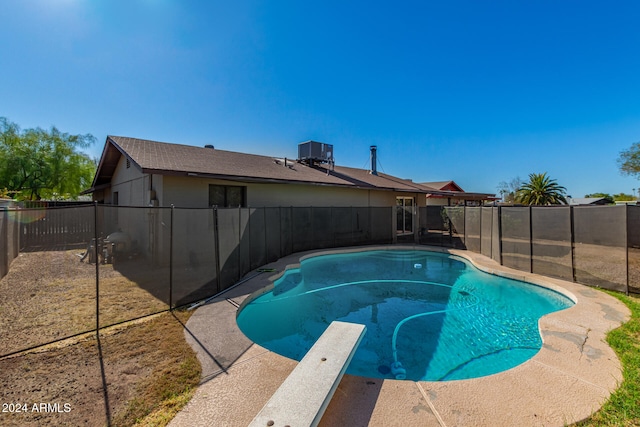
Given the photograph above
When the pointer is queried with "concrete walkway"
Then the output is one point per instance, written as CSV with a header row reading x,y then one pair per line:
x,y
570,378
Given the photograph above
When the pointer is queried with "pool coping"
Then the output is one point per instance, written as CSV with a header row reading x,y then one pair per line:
x,y
571,377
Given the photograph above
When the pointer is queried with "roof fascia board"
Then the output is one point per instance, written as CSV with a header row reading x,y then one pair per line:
x,y
460,194
95,188
99,168
103,156
237,178
124,153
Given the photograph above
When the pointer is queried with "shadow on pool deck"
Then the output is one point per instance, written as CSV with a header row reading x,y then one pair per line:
x,y
570,378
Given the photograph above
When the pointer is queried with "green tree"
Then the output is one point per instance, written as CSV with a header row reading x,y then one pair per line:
x,y
509,189
623,197
629,161
541,190
36,163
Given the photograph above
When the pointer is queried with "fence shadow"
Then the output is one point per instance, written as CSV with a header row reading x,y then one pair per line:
x,y
105,389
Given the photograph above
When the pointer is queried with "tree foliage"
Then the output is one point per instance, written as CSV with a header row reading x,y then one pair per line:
x,y
38,163
541,190
610,200
623,197
508,190
629,161
620,197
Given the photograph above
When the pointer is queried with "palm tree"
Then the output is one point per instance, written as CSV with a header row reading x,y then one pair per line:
x,y
541,190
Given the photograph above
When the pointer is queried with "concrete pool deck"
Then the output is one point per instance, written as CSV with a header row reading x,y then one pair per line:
x,y
571,377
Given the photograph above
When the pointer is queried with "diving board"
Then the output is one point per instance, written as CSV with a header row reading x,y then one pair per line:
x,y
306,392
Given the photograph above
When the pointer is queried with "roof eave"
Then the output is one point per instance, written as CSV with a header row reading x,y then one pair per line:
x,y
463,195
101,165
243,178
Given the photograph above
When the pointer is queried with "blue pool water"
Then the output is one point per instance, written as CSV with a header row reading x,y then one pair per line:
x,y
429,316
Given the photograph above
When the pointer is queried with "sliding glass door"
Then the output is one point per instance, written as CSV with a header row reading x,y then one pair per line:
x,y
404,215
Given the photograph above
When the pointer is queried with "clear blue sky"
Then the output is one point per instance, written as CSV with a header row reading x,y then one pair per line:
x,y
474,91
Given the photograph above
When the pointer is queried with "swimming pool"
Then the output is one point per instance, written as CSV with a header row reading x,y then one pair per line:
x,y
429,316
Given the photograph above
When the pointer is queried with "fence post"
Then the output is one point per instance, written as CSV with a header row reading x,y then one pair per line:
x,y
491,236
4,242
626,243
216,245
530,239
372,215
95,249
464,221
171,259
352,227
394,232
280,251
573,244
333,229
239,275
266,242
248,233
312,232
416,222
291,228
500,235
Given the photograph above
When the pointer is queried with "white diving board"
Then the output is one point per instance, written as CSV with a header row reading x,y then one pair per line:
x,y
305,394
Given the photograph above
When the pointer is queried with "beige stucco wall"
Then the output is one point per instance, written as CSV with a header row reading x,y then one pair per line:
x,y
315,195
437,201
133,186
193,192
133,189
130,183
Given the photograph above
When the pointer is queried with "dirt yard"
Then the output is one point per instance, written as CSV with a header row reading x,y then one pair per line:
x,y
142,365
50,295
136,369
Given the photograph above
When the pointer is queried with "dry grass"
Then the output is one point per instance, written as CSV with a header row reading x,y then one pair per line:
x,y
52,294
150,372
173,371
139,372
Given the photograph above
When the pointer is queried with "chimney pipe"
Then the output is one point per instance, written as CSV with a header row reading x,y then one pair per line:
x,y
374,160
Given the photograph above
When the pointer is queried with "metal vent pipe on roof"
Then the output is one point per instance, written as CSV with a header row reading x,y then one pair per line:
x,y
374,160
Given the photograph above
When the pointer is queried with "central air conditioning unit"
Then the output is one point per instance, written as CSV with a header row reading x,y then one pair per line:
x,y
312,152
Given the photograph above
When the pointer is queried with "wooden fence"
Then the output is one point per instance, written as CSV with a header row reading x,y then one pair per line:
x,y
56,227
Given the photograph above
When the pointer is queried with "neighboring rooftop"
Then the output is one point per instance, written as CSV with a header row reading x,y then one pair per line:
x,y
574,201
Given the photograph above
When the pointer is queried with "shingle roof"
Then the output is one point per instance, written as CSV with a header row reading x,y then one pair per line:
x,y
440,185
585,200
177,159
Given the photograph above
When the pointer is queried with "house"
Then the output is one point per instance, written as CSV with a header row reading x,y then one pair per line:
x,y
142,173
138,172
588,201
451,193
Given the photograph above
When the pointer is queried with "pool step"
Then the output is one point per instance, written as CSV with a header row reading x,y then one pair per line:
x,y
306,392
